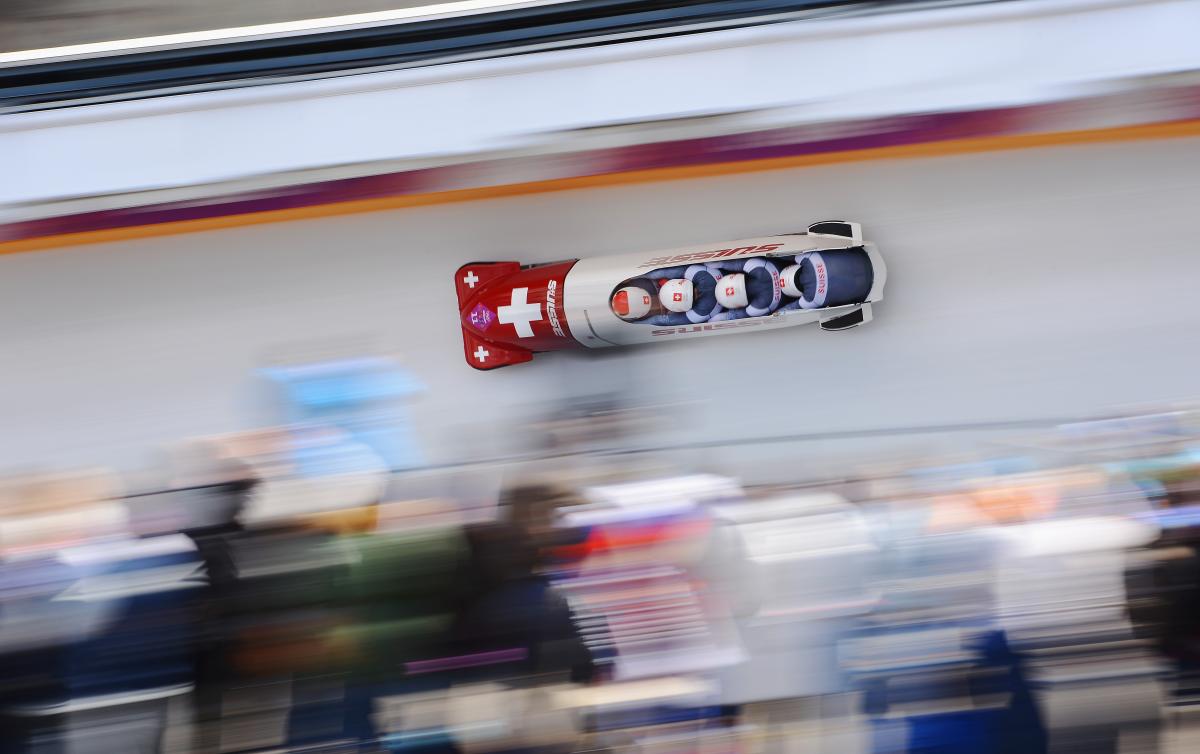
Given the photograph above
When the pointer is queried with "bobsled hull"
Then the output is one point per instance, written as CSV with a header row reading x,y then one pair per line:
x,y
509,312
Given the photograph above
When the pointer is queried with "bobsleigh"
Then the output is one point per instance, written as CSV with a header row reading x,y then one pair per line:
x,y
509,312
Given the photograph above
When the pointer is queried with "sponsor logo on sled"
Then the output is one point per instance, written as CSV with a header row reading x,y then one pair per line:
x,y
482,317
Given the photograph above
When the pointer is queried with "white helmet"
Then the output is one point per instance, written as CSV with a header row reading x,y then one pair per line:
x,y
677,295
631,303
731,291
787,279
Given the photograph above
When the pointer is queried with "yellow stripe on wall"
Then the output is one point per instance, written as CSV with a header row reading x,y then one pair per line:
x,y
932,149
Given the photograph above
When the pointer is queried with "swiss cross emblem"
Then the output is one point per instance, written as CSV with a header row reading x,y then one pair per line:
x,y
729,290
677,297
646,300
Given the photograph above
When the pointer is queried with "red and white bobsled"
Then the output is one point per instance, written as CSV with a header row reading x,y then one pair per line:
x,y
509,312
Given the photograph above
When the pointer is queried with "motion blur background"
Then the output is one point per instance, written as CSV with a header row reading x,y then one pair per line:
x,y
254,500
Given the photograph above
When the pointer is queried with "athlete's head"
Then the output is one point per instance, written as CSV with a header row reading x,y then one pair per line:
x,y
787,280
731,291
677,295
631,303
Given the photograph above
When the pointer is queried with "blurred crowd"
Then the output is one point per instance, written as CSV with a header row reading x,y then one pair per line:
x,y
286,595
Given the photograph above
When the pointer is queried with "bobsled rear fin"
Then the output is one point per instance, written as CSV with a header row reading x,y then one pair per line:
x,y
471,278
859,316
484,354
843,228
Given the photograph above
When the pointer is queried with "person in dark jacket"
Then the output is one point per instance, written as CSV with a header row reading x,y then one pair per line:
x,y
221,506
508,602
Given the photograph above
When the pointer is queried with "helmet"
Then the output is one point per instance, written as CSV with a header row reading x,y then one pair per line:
x,y
787,278
631,303
677,295
731,291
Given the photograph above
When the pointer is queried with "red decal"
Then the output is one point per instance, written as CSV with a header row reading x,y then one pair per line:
x,y
698,255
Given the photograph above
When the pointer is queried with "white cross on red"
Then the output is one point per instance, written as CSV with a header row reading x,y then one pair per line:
x,y
482,353
520,313
471,279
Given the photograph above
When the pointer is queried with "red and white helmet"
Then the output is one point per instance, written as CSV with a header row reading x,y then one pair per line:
x,y
631,303
677,295
731,291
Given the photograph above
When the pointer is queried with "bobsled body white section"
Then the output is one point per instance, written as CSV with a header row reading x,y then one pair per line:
x,y
591,282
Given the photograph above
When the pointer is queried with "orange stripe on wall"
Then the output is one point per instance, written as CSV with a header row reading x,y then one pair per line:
x,y
1176,129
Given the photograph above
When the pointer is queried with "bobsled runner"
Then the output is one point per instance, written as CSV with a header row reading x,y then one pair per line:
x,y
509,312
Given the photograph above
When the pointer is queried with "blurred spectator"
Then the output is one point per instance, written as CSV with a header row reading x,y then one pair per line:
x,y
797,575
973,610
96,626
509,602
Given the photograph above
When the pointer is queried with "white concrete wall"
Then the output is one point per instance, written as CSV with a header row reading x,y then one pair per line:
x,y
958,57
